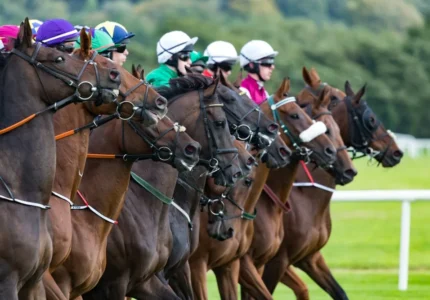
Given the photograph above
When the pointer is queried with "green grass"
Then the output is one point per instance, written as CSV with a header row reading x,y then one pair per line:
x,y
363,251
409,174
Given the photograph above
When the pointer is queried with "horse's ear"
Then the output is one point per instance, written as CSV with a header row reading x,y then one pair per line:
x,y
223,79
283,90
306,76
324,97
210,91
238,82
134,71
348,89
359,94
25,35
85,43
142,72
314,76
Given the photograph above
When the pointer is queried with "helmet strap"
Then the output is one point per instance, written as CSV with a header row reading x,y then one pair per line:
x,y
173,62
255,70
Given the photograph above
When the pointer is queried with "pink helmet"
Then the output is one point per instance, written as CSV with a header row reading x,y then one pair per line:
x,y
8,32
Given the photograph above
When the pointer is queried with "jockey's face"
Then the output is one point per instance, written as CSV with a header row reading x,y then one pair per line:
x,y
120,58
266,71
182,64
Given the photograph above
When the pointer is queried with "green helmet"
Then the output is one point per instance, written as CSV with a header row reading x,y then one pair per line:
x,y
100,41
196,56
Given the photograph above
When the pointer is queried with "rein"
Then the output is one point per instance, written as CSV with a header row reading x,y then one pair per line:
x,y
160,196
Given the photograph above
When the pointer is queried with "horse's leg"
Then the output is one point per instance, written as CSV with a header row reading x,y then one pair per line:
x,y
35,292
315,266
8,282
63,280
227,278
294,282
198,279
153,289
274,269
250,280
53,292
181,282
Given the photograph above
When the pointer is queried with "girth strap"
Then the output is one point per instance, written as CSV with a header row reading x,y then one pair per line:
x,y
284,206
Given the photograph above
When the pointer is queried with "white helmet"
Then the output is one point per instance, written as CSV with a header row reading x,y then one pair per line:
x,y
255,50
172,43
220,51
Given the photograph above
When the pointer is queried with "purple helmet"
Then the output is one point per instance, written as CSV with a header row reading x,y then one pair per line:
x,y
56,31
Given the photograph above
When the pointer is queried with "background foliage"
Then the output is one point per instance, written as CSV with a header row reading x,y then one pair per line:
x,y
383,43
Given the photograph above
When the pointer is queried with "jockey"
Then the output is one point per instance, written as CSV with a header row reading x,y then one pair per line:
x,y
173,51
8,35
35,24
120,37
198,62
57,33
100,42
222,57
258,59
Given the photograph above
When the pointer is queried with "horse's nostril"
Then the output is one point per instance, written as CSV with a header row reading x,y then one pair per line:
x,y
398,154
350,173
114,75
272,127
230,232
190,150
285,152
161,102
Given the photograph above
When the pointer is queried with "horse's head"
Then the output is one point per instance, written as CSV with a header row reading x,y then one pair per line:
x,y
246,121
54,75
201,112
138,101
359,125
277,155
227,205
298,130
165,141
343,170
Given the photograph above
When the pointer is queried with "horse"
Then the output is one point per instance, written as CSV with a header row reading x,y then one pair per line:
x,y
103,187
72,151
144,226
303,240
268,229
52,80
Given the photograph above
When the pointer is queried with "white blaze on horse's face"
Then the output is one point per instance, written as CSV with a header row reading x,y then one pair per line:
x,y
313,131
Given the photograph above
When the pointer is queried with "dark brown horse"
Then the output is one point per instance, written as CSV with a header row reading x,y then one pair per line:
x,y
268,226
308,225
33,77
143,230
72,151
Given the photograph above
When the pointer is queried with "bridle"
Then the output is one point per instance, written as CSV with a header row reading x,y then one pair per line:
x,y
69,79
212,164
243,132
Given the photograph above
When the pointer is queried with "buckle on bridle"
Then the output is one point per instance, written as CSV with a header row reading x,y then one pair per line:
x,y
119,106
221,212
93,90
170,153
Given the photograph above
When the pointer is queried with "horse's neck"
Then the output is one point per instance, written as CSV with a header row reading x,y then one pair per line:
x,y
190,203
312,198
27,152
262,173
281,180
249,206
106,180
72,150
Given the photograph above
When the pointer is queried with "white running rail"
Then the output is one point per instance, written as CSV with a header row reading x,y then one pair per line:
x,y
406,197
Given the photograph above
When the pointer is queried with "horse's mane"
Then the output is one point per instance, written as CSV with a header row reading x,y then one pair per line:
x,y
182,85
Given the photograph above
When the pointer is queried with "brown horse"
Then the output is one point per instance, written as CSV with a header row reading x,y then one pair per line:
x,y
33,77
104,185
268,227
72,151
308,225
143,229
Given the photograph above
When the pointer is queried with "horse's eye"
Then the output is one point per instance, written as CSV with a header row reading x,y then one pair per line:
x,y
294,116
333,98
220,124
328,132
372,120
59,59
248,181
